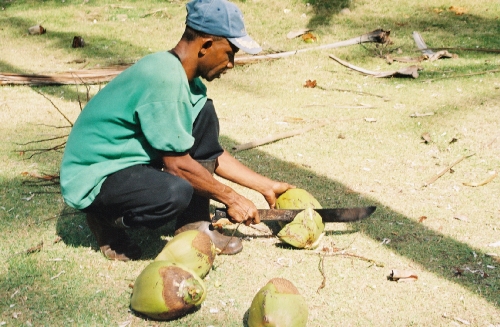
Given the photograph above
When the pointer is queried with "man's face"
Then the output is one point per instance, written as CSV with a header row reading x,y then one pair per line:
x,y
218,59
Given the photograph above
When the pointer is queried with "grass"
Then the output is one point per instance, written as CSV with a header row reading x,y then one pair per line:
x,y
383,163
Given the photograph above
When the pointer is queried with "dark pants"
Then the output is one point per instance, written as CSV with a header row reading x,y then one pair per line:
x,y
147,196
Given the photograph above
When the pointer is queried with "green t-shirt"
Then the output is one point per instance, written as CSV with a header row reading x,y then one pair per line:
x,y
148,108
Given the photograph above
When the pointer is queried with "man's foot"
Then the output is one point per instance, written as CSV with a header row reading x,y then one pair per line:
x,y
113,241
224,244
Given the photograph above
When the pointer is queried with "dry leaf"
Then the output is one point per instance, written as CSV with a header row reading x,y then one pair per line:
x,y
453,140
310,83
426,137
402,276
36,248
458,10
309,37
421,219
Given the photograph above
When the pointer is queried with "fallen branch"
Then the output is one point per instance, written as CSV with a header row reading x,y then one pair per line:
x,y
411,71
377,36
445,170
93,76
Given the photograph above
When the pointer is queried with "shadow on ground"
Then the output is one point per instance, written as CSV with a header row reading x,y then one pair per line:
x,y
436,252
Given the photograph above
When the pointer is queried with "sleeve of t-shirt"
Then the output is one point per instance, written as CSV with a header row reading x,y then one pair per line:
x,y
167,126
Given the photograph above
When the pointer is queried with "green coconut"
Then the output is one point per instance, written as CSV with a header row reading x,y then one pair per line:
x,y
167,290
193,249
306,229
296,198
278,304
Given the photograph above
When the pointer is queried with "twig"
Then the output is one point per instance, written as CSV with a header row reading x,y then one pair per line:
x,y
347,254
483,182
272,138
60,112
357,92
468,49
446,169
321,266
44,140
40,151
464,75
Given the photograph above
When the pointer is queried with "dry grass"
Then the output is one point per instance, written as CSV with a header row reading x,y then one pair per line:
x,y
384,163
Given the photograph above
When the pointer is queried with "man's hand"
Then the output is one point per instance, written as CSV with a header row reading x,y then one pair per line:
x,y
276,190
243,210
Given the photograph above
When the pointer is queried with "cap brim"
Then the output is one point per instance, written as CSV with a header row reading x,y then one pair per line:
x,y
246,43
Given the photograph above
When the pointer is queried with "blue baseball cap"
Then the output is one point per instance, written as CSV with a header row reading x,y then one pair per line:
x,y
221,18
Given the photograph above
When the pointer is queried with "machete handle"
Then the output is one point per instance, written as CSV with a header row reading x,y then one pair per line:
x,y
220,213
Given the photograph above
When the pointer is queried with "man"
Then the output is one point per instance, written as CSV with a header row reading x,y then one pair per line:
x,y
143,150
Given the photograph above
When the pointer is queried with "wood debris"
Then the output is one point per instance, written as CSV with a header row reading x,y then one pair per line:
x,y
429,54
410,71
446,169
402,276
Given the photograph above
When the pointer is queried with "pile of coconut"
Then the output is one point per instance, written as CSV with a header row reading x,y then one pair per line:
x,y
172,285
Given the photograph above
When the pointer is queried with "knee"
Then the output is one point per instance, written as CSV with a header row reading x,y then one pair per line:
x,y
180,194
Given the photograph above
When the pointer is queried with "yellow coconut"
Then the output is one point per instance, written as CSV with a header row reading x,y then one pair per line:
x,y
193,249
278,304
167,290
306,230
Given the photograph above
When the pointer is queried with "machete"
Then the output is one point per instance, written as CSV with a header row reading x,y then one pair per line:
x,y
336,215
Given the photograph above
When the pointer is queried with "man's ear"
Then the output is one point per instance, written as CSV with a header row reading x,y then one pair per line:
x,y
205,46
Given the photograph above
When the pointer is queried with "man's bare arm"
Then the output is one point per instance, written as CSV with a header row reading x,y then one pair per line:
x,y
231,169
240,209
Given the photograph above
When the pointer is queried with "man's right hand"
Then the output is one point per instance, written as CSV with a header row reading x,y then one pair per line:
x,y
242,210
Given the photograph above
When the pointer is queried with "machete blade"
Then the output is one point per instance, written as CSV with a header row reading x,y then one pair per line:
x,y
335,215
